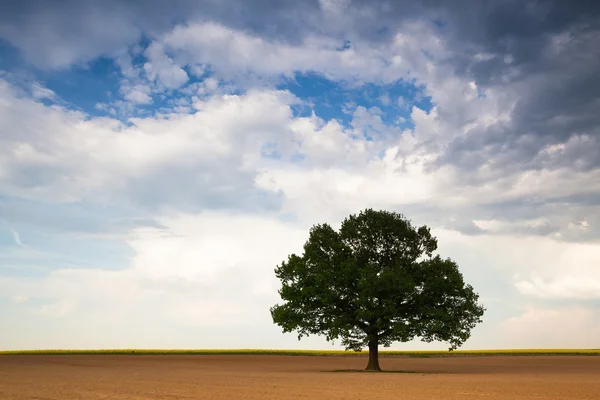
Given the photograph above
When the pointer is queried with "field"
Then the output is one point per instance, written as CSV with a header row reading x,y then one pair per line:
x,y
122,375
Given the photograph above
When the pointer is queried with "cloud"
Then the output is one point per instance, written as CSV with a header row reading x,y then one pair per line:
x,y
566,287
40,92
222,150
248,59
74,32
19,299
137,94
162,68
17,238
228,130
563,327
548,58
575,277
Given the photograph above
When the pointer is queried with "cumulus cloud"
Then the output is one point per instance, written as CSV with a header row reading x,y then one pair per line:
x,y
40,92
73,32
162,68
563,327
575,275
100,157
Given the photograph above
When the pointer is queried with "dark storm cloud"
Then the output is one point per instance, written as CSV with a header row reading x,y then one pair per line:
x,y
499,27
59,33
549,54
574,218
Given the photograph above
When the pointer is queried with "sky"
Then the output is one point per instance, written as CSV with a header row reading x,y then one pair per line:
x,y
159,160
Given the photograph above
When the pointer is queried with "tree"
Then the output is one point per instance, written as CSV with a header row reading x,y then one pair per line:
x,y
375,282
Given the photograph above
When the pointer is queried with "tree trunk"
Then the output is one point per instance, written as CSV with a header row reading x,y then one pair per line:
x,y
373,354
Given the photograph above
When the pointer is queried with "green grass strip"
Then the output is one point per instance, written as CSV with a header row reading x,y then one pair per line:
x,y
405,353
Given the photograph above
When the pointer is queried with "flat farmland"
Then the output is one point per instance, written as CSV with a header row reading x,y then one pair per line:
x,y
296,377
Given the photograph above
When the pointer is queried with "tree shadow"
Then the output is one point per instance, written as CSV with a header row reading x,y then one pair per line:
x,y
391,371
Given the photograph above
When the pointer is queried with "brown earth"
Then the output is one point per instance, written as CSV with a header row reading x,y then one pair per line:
x,y
299,377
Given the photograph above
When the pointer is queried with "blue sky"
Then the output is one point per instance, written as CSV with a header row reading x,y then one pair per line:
x,y
157,163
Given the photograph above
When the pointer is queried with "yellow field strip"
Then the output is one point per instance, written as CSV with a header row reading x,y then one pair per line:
x,y
407,353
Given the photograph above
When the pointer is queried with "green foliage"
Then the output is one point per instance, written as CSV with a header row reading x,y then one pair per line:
x,y
376,281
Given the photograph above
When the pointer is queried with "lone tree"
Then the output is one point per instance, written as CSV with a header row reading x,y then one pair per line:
x,y
375,282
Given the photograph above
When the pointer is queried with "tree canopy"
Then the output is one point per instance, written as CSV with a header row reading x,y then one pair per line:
x,y
374,282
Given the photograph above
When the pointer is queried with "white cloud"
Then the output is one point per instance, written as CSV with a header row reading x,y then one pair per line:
x,y
161,68
564,287
17,238
137,94
241,56
574,274
88,157
402,102
19,299
40,92
378,183
563,327
201,247
56,309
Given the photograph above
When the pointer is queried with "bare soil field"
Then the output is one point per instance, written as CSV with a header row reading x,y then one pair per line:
x,y
71,377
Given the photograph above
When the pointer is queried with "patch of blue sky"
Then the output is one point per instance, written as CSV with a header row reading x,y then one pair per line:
x,y
37,252
79,87
26,302
337,100
83,87
17,266
37,236
8,238
71,218
10,58
270,150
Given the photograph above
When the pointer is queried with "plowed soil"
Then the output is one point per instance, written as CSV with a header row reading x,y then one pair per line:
x,y
299,377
